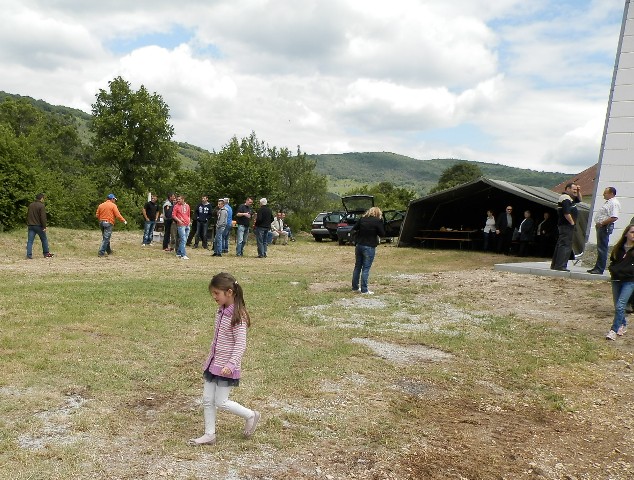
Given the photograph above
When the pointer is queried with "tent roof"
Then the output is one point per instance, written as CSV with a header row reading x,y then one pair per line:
x,y
541,195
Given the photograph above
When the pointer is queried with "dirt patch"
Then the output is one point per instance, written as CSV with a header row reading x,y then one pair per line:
x,y
404,354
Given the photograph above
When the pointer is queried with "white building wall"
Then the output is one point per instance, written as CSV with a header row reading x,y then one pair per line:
x,y
616,158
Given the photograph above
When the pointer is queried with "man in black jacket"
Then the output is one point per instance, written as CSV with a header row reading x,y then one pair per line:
x,y
263,220
504,230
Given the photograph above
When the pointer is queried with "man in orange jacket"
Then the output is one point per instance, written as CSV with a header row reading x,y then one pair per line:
x,y
106,214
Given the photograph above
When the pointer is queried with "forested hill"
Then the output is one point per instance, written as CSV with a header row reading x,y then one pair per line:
x,y
348,170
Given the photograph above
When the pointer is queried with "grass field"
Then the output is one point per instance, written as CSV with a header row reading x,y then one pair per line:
x,y
443,373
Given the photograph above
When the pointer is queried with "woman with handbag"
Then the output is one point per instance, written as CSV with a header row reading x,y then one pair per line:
x,y
622,272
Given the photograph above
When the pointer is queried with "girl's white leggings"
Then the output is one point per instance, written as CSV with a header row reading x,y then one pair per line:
x,y
215,397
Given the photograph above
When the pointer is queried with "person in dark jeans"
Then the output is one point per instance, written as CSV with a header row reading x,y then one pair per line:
x,y
368,230
263,220
243,219
604,224
203,212
168,206
150,214
36,221
567,214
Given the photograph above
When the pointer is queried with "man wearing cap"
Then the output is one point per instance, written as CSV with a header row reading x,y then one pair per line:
x,y
36,221
263,220
106,214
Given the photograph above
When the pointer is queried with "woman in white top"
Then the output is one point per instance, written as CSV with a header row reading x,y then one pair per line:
x,y
489,231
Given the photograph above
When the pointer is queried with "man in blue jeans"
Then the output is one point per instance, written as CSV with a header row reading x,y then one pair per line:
x,y
221,225
227,232
36,221
243,220
263,220
150,214
604,224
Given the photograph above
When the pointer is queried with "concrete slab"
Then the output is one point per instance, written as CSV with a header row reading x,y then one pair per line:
x,y
543,269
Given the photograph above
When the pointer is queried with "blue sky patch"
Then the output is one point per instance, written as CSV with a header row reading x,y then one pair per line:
x,y
169,40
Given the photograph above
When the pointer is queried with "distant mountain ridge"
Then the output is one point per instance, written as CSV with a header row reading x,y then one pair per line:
x,y
348,170
417,175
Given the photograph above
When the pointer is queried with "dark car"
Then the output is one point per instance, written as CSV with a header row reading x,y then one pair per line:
x,y
356,206
331,221
318,231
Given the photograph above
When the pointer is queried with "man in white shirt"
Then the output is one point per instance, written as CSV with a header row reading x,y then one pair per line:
x,y
604,224
277,227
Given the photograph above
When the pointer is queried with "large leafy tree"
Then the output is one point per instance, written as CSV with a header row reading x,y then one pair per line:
x,y
132,141
302,189
457,174
42,152
17,179
241,168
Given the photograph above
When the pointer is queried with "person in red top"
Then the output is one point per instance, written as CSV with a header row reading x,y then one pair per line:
x,y
106,214
181,214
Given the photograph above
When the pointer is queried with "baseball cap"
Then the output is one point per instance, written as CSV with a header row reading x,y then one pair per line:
x,y
111,196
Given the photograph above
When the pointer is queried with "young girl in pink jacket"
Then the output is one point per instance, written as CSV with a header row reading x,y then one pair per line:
x,y
222,368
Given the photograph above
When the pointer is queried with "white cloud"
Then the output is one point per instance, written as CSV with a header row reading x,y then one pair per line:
x,y
513,82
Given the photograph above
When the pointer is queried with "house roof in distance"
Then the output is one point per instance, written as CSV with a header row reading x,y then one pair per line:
x,y
584,179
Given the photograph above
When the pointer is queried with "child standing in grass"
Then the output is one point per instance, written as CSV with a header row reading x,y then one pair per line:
x,y
222,368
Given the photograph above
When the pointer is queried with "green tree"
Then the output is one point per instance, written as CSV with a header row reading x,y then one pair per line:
x,y
386,195
132,140
457,174
17,179
240,169
48,156
301,190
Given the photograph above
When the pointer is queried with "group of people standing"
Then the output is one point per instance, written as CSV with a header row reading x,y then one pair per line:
x,y
179,234
502,232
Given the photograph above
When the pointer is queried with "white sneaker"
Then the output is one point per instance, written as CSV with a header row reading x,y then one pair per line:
x,y
178,256
184,257
251,424
611,335
367,293
622,330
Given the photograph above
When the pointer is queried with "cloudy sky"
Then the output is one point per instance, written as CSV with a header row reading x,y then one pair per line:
x,y
516,82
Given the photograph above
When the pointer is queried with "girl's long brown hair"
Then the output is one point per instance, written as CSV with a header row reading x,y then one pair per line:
x,y
225,281
619,245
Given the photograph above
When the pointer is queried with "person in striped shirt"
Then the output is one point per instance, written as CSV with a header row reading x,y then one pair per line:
x,y
221,370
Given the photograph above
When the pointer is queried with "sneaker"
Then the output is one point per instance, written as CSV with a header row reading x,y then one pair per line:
x,y
28,257
611,335
367,293
178,256
143,245
356,290
48,255
622,330
251,424
184,257
206,439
